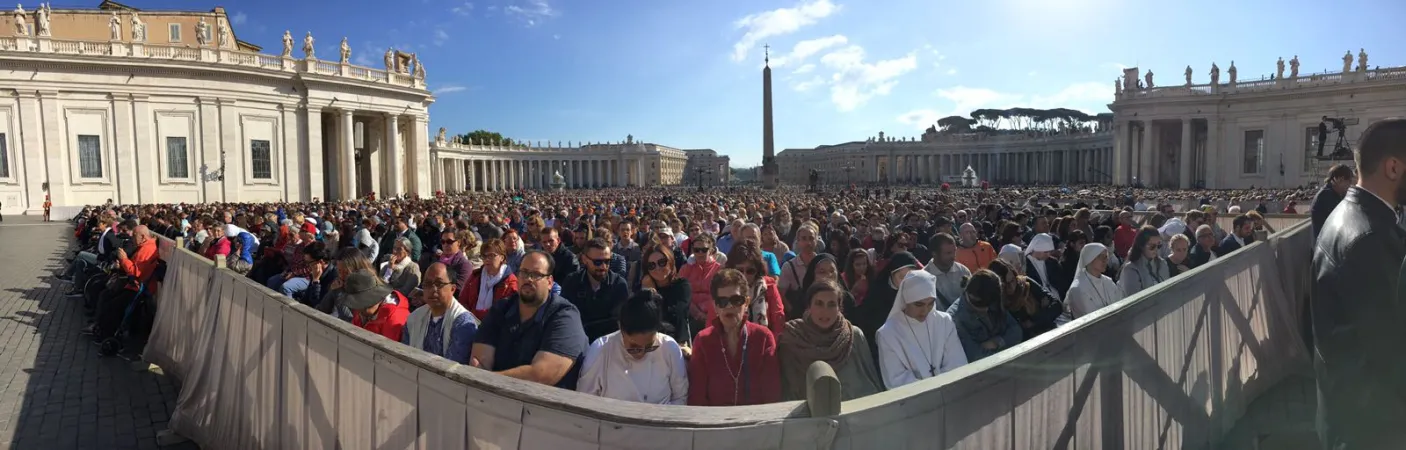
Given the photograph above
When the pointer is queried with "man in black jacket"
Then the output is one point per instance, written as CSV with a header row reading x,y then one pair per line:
x,y
1340,177
1357,316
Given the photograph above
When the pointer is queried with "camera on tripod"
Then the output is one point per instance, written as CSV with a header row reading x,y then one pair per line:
x,y
1335,125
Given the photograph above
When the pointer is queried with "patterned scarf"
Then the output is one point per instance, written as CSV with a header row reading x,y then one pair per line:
x,y
806,342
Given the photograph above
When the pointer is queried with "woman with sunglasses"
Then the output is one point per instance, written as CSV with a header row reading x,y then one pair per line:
x,y
823,334
674,291
766,308
734,359
638,363
699,270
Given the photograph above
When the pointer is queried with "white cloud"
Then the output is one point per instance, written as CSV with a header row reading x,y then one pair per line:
x,y
809,84
952,71
854,81
440,36
239,18
919,118
463,9
1116,66
802,70
806,49
449,89
778,22
532,11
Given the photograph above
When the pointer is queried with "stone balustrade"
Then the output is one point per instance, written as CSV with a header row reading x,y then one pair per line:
x,y
1266,84
209,55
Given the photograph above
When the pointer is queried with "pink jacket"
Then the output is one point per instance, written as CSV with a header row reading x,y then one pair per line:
x,y
700,278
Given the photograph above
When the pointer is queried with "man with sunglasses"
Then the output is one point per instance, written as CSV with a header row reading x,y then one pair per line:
x,y
536,338
596,290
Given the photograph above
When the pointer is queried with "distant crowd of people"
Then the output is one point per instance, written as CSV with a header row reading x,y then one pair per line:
x,y
673,296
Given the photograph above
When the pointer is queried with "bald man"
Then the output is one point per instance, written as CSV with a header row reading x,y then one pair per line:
x,y
138,267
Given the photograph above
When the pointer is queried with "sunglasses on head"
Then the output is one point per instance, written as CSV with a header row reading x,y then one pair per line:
x,y
735,300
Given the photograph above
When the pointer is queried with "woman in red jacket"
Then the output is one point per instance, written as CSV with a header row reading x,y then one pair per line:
x,y
765,307
734,359
491,283
699,273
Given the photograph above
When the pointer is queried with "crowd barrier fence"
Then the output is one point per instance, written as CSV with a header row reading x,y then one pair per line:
x,y
1171,367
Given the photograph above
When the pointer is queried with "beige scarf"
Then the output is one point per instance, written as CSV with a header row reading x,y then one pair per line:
x,y
806,342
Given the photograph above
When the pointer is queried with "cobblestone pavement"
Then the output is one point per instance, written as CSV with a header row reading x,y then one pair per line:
x,y
55,391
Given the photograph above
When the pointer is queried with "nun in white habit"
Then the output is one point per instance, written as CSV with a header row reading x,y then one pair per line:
x,y
1092,289
917,342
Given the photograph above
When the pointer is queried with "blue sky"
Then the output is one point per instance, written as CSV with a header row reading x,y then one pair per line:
x,y
687,74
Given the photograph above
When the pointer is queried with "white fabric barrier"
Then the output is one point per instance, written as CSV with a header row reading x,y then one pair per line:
x,y
1174,367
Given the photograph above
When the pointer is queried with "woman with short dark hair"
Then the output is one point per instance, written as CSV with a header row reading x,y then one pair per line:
x,y
734,359
637,363
823,334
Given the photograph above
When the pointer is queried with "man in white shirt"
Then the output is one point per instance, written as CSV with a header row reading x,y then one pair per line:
x,y
950,274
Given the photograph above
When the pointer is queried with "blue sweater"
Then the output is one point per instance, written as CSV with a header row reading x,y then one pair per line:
x,y
974,328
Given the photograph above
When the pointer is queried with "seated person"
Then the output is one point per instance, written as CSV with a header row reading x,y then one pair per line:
x,y
638,363
441,326
535,335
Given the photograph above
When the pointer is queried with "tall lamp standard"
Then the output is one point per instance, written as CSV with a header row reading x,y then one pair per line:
x,y
849,167
702,171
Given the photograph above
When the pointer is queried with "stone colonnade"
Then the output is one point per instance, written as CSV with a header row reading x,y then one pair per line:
x,y
1071,166
1170,153
369,152
462,173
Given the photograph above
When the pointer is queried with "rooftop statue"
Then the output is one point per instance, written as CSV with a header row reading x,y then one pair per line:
x,y
1117,89
1188,75
309,51
1347,61
41,21
1361,59
114,27
202,31
346,51
287,44
20,23
1294,67
1279,68
138,29
1215,74
1149,79
390,60
222,33
1231,71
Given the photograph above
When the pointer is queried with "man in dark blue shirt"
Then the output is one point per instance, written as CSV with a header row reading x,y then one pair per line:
x,y
596,290
536,337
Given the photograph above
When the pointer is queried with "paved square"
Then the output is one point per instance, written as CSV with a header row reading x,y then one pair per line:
x,y
55,391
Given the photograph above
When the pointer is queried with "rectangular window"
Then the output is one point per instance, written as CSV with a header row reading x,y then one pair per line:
x,y
263,159
90,156
4,157
177,166
1254,151
175,32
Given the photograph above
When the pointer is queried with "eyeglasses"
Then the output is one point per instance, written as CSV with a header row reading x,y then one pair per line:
x,y
432,285
640,351
448,241
735,300
700,249
749,271
600,262
531,277
490,255
660,263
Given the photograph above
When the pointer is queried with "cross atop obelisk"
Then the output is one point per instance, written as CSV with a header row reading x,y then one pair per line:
x,y
769,169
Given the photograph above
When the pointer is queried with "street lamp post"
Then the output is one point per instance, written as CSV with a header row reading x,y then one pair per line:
x,y
849,167
701,171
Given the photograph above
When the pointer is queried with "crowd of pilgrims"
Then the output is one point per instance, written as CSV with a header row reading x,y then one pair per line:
x,y
718,298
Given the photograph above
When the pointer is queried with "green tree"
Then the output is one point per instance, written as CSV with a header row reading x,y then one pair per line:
x,y
484,137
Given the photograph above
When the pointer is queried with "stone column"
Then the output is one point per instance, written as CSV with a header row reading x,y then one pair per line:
x,y
293,162
1120,150
1184,158
232,158
1213,155
314,183
346,158
1145,154
395,164
421,146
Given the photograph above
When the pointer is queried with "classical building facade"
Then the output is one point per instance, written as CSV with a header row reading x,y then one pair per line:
x,y
485,167
1235,133
706,167
102,104
1011,158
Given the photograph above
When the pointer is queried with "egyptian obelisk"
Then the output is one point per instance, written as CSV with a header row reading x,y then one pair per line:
x,y
769,169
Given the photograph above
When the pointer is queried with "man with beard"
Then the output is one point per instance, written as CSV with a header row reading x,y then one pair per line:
x,y
596,290
536,337
1356,313
562,259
